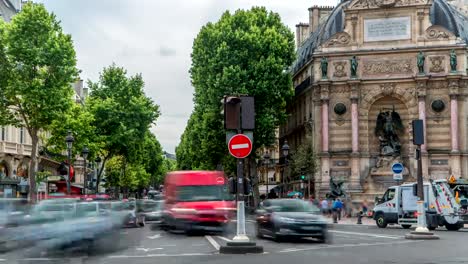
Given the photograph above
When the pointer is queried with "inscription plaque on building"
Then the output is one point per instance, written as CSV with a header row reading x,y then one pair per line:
x,y
384,29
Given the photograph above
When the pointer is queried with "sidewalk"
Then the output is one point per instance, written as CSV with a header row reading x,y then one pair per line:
x,y
352,221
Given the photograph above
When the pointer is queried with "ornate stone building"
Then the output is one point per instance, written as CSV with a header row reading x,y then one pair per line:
x,y
359,83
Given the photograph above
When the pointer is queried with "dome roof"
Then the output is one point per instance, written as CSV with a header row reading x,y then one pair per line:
x,y
441,14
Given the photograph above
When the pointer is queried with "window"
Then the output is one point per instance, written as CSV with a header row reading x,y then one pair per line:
x,y
21,135
389,195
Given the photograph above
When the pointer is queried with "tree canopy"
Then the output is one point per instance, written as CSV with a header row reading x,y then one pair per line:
x,y
37,65
245,53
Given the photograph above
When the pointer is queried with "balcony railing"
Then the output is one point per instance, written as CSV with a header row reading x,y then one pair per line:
x,y
15,148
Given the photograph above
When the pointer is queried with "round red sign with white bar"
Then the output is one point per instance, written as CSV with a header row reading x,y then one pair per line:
x,y
240,146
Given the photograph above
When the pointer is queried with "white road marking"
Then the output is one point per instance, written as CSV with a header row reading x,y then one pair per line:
x,y
365,234
148,249
346,246
213,242
240,146
1,260
160,255
223,238
168,245
155,236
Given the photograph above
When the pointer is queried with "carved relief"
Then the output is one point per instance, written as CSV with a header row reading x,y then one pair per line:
x,y
324,92
438,33
340,69
385,3
437,64
338,40
379,67
340,89
387,88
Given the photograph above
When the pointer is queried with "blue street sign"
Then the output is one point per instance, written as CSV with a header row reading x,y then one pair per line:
x,y
397,168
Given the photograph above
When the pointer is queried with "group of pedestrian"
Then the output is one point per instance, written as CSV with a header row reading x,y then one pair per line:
x,y
332,207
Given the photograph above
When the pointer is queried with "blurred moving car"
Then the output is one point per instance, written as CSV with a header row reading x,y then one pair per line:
x,y
155,195
197,201
129,212
282,218
152,210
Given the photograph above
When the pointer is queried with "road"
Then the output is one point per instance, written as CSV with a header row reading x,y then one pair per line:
x,y
350,244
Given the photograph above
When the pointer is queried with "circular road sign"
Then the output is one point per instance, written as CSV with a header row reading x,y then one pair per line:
x,y
240,146
397,168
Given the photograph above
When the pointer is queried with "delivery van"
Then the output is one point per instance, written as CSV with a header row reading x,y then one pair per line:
x,y
197,201
399,206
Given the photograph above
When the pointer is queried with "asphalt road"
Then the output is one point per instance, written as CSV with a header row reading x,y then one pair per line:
x,y
350,244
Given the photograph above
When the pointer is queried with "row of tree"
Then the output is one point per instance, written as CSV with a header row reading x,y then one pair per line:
x,y
245,53
37,67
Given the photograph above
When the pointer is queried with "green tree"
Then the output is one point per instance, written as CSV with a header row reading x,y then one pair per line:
x,y
80,121
304,160
245,53
122,113
40,64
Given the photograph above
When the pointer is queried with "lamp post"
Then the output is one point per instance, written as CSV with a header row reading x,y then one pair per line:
x,y
69,140
266,161
98,165
285,150
85,153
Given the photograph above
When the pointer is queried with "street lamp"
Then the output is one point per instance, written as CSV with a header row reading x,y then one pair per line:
x,y
266,161
285,150
85,153
69,140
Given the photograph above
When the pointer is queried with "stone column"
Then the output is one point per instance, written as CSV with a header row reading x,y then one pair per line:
x,y
355,181
421,91
325,155
455,153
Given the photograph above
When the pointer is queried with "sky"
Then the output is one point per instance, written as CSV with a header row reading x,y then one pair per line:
x,y
154,38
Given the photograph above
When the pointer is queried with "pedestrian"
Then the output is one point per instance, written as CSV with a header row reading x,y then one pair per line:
x,y
324,207
338,208
335,211
364,207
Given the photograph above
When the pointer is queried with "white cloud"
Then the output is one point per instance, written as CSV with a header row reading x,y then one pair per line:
x,y
154,37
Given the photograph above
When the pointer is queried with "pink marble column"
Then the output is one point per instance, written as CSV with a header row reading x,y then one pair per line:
x,y
422,116
355,126
454,122
325,126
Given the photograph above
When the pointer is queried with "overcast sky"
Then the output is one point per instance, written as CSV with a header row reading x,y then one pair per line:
x,y
154,37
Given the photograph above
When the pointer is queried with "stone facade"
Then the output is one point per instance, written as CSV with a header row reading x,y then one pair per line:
x,y
385,37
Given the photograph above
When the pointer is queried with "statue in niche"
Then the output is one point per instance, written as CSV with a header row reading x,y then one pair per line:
x,y
354,67
336,189
387,129
421,60
324,66
453,61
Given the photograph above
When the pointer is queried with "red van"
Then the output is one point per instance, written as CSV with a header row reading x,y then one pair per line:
x,y
197,201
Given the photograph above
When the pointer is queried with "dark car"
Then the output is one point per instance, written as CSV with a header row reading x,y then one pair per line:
x,y
282,218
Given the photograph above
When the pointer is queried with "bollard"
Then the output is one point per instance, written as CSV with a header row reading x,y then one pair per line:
x,y
359,218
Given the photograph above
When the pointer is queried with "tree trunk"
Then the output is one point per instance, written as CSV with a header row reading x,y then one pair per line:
x,y
33,167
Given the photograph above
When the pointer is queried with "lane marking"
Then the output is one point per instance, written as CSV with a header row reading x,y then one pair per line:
x,y
149,249
365,234
2,260
168,245
155,236
213,242
240,146
223,238
159,255
346,246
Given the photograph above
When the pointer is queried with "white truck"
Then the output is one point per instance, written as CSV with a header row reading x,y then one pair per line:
x,y
399,206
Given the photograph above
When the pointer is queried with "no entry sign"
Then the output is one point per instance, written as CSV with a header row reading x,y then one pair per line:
x,y
240,146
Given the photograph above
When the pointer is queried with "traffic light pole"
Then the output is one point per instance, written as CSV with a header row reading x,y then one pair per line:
x,y
421,214
241,235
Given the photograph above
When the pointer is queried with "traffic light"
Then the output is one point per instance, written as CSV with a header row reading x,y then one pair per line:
x,y
415,189
232,184
247,186
231,112
303,177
